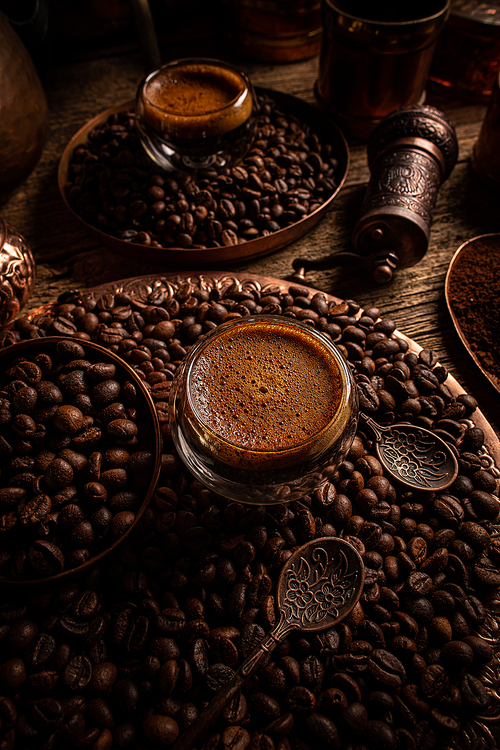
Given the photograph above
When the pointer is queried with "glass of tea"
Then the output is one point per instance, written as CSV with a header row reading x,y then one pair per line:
x,y
195,112
263,408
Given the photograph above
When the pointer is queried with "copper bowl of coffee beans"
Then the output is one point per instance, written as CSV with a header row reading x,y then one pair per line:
x,y
279,191
80,451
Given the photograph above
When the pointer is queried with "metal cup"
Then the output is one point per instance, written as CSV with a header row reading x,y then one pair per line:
x,y
375,58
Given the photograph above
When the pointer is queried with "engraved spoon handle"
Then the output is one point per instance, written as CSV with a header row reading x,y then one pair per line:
x,y
374,427
227,692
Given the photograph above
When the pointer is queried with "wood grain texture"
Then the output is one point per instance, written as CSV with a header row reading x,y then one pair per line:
x,y
67,257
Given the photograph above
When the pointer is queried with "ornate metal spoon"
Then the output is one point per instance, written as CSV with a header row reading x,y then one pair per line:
x,y
414,456
318,586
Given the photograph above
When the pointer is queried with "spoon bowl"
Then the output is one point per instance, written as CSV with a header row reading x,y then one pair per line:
x,y
414,456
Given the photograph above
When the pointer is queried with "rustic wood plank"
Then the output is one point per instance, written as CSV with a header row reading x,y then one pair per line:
x,y
68,257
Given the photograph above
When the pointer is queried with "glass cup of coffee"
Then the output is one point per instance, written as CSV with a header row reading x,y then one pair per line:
x,y
195,112
263,408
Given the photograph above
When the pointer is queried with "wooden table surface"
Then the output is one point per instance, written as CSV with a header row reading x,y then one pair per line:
x,y
82,84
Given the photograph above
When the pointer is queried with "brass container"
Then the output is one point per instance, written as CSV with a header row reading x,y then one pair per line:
x,y
17,273
486,152
467,58
23,112
375,58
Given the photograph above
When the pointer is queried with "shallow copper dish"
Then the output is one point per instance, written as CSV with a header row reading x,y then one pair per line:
x,y
31,347
489,243
176,256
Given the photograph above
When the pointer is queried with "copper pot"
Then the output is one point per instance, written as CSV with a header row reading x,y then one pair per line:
x,y
23,112
17,272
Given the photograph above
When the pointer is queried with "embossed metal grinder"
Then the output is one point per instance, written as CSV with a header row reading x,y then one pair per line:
x,y
410,154
318,586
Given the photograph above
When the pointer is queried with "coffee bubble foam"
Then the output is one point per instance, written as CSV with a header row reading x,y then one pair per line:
x,y
266,387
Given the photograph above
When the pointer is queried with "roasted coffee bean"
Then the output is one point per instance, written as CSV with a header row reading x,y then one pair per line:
x,y
475,535
486,572
301,700
46,558
12,675
380,735
434,681
103,678
419,583
8,712
474,693
324,730
386,668
312,672
78,673
234,737
480,648
485,506
436,562
266,707
217,675
457,655
160,730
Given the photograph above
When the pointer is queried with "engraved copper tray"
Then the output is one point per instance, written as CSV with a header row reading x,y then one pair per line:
x,y
142,286
489,243
176,256
480,732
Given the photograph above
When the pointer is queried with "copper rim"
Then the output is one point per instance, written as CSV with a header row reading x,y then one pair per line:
x,y
12,352
495,239
176,256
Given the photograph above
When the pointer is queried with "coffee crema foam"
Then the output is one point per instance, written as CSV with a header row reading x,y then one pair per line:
x,y
265,393
197,100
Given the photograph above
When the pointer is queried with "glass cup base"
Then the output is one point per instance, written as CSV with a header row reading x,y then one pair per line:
x,y
169,160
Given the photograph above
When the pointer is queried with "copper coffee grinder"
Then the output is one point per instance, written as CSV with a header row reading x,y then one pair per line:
x,y
411,152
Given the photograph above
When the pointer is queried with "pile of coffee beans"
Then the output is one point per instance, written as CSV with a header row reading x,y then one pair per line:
x,y
288,173
77,456
128,654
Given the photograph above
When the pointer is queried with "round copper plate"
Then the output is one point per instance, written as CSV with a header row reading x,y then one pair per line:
x,y
31,347
147,286
478,729
465,257
176,256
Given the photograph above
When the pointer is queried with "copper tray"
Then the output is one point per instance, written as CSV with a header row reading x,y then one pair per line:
x,y
142,286
491,241
176,256
480,731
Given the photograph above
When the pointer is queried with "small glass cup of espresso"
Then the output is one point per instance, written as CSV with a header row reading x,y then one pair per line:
x,y
192,113
263,408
